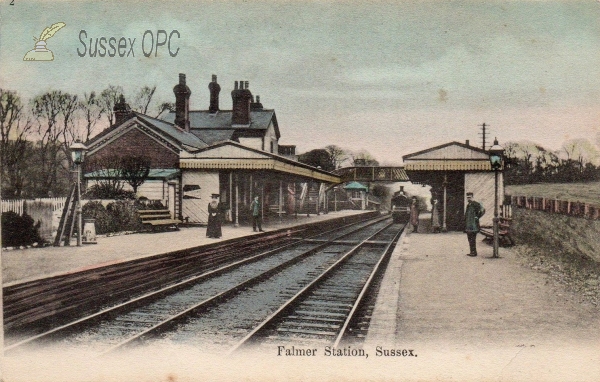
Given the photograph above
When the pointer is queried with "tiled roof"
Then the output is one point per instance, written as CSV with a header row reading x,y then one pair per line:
x,y
202,119
211,136
174,132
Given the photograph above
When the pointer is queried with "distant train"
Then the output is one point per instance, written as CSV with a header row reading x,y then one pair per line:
x,y
400,207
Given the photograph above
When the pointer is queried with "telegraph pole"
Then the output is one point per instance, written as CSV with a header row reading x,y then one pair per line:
x,y
483,135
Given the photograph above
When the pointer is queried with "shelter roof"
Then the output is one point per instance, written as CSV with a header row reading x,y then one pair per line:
x,y
233,155
452,156
355,186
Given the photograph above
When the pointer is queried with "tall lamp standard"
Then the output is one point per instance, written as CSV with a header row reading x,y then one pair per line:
x,y
496,158
78,150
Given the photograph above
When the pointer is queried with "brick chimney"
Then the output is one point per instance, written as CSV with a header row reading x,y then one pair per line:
x,y
182,103
256,105
122,111
214,95
241,98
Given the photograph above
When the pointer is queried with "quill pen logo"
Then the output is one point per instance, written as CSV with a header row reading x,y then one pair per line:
x,y
40,51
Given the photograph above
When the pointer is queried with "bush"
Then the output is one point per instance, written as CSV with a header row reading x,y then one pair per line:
x,y
106,191
104,222
19,230
124,216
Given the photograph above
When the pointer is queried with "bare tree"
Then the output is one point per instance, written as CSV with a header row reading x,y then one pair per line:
x,y
15,128
337,155
107,174
69,105
165,106
363,158
135,170
142,99
581,151
108,98
47,109
91,110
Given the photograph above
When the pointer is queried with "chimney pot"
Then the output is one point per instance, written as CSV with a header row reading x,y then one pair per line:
x,y
182,103
214,89
467,142
236,85
246,86
242,100
122,110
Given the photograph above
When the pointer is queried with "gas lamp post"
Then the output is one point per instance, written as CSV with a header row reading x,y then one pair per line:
x,y
78,150
496,154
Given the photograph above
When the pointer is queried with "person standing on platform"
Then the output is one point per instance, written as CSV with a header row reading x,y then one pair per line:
x,y
213,230
473,212
414,214
435,216
256,211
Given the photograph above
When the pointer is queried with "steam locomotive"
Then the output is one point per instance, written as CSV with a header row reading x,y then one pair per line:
x,y
400,207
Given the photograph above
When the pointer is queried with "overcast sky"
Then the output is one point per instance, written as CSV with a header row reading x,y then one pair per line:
x,y
388,77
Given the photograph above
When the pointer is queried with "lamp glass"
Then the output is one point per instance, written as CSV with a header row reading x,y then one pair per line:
x,y
78,150
496,161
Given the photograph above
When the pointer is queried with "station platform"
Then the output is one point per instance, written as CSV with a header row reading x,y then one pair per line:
x,y
479,318
21,265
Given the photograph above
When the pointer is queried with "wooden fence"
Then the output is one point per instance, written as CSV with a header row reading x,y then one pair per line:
x,y
563,207
16,205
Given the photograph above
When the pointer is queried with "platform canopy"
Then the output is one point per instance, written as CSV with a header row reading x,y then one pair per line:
x,y
453,156
230,155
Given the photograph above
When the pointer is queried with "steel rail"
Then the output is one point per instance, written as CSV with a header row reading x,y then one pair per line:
x,y
386,254
172,320
303,292
155,295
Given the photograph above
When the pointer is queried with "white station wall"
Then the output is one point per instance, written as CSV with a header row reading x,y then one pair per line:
x,y
195,206
481,184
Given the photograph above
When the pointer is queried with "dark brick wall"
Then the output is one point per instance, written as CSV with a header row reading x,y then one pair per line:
x,y
136,143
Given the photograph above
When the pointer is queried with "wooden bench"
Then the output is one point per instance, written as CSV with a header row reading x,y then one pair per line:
x,y
504,237
158,219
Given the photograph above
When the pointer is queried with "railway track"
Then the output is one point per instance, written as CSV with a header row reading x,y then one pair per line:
x,y
330,309
159,311
34,307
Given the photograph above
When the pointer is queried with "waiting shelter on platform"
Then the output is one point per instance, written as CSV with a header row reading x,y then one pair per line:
x,y
452,170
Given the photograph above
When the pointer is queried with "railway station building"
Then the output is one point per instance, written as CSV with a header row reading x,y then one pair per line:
x,y
195,153
452,170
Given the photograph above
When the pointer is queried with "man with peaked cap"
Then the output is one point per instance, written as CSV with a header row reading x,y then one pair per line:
x,y
472,214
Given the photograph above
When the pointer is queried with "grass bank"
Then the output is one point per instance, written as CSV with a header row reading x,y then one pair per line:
x,y
582,192
566,248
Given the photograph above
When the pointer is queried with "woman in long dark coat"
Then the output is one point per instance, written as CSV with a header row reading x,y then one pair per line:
x,y
414,214
213,229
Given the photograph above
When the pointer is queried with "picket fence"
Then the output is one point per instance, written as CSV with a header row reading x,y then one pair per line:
x,y
563,207
16,205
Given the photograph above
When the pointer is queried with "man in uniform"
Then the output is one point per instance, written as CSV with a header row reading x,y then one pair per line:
x,y
255,209
472,214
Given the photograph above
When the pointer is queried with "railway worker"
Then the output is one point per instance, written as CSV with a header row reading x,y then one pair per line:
x,y
414,214
213,229
255,209
473,212
435,216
